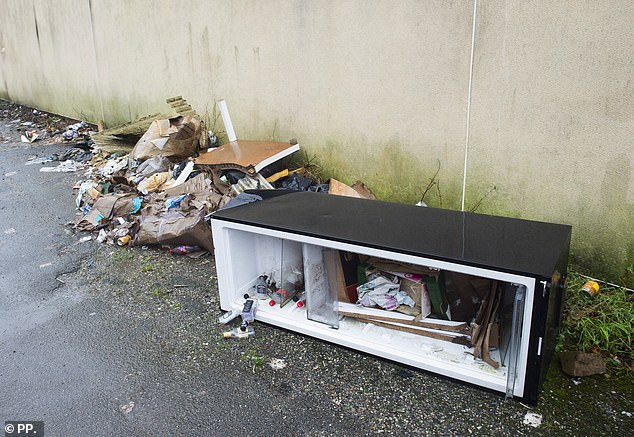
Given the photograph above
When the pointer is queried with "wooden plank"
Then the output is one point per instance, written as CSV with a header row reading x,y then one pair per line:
x,y
137,127
340,189
373,312
112,144
246,154
181,108
333,267
392,316
458,339
363,190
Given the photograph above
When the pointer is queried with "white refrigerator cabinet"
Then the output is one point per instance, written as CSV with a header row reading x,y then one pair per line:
x,y
284,235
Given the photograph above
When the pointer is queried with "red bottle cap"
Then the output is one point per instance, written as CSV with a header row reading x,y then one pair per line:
x,y
300,304
272,303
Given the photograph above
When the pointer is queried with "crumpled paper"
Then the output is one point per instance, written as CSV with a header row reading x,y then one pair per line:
x,y
383,293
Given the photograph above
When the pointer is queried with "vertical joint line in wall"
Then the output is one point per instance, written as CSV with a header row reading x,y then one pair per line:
x,y
94,51
466,142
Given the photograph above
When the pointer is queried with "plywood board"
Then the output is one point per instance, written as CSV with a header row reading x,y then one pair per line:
x,y
340,189
251,156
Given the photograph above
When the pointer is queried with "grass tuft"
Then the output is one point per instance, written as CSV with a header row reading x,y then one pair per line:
x,y
256,360
603,323
122,255
160,292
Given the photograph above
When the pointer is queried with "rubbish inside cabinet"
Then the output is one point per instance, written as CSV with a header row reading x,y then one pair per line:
x,y
423,295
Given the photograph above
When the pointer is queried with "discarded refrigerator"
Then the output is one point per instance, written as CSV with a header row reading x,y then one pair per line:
x,y
469,296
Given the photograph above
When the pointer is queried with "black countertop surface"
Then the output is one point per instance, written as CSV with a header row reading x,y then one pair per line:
x,y
498,243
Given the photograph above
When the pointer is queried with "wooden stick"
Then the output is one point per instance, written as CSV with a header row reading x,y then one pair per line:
x,y
486,356
406,327
459,328
459,339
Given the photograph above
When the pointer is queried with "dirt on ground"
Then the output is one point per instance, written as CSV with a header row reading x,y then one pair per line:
x,y
49,127
179,296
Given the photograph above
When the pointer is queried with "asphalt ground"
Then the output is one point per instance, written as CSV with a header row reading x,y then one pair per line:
x,y
97,340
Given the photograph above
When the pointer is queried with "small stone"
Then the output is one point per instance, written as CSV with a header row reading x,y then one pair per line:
x,y
578,364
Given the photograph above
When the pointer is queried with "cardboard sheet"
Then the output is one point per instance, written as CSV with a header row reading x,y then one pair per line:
x,y
177,137
175,228
106,207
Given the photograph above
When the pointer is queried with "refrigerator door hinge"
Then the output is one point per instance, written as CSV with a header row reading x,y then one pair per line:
x,y
546,286
539,347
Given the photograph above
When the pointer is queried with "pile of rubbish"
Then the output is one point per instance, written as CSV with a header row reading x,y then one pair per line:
x,y
162,190
33,125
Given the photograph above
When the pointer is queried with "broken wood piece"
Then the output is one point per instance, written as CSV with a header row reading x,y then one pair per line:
x,y
363,190
486,356
452,338
444,325
181,107
482,318
376,313
245,155
400,267
340,189
112,144
334,271
279,175
135,128
357,311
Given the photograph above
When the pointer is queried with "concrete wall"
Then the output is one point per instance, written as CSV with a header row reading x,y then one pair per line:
x,y
376,90
553,120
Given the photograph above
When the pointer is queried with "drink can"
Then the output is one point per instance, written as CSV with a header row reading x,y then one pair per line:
x,y
591,287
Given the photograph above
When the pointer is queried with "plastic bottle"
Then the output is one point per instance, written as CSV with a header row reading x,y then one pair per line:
x,y
261,287
241,332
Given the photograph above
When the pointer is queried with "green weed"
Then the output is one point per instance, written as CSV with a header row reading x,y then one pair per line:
x,y
256,360
603,323
122,255
175,305
146,267
160,292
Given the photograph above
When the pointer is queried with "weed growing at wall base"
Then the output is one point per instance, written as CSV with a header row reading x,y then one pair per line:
x,y
603,323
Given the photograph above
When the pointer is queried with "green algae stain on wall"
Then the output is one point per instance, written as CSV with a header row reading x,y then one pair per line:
x,y
603,235
393,173
605,241
602,222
